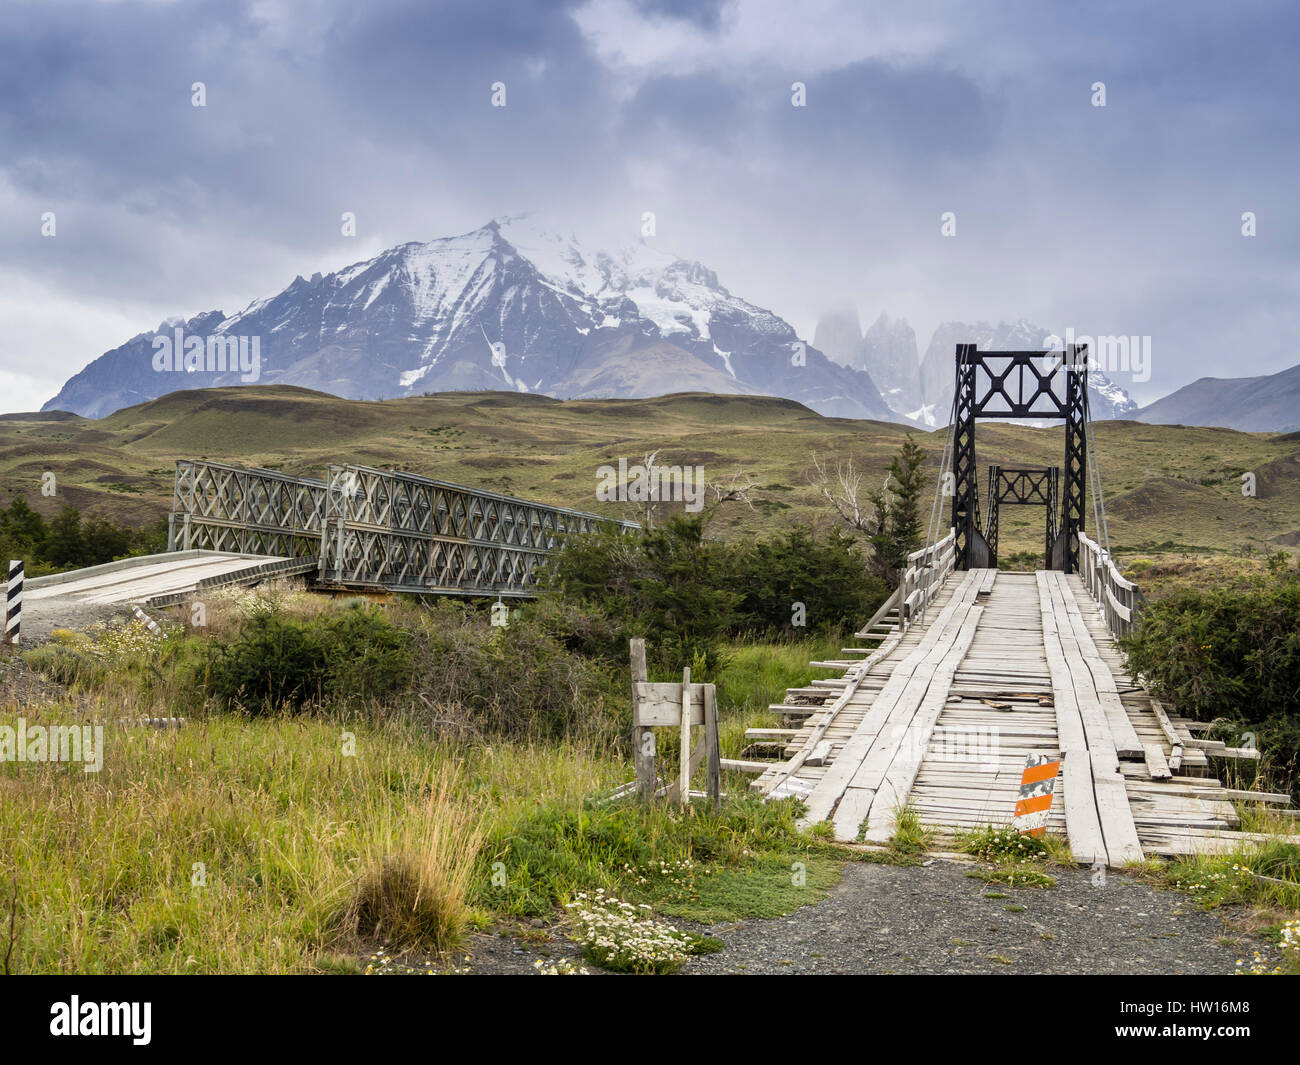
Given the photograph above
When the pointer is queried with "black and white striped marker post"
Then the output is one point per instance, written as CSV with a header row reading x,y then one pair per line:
x,y
14,601
149,622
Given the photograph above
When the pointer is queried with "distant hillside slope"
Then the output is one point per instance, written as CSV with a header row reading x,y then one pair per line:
x,y
1163,484
1252,404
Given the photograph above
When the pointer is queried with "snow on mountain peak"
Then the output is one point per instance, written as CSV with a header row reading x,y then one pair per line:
x,y
516,303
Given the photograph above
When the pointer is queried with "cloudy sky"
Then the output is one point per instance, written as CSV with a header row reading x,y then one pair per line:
x,y
1122,219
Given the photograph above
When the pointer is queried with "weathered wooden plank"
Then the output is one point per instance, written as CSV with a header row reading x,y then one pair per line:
x,y
741,765
1108,792
771,781
660,704
1082,820
643,759
1157,767
1127,744
826,796
901,759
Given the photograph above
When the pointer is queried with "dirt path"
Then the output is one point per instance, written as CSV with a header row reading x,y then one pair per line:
x,y
936,919
42,616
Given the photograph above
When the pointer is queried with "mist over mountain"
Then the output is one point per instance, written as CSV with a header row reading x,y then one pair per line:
x,y
839,336
921,389
889,348
511,304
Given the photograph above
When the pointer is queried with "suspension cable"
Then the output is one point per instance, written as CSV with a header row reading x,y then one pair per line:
x,y
932,528
1098,497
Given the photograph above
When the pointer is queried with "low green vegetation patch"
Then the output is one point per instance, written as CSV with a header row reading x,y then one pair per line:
x,y
747,860
1257,885
910,838
1014,875
401,802
1265,874
1004,843
1232,655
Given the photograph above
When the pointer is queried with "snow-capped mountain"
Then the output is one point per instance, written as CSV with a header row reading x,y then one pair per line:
x,y
511,305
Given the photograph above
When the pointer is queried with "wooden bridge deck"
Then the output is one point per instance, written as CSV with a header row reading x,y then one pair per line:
x,y
941,716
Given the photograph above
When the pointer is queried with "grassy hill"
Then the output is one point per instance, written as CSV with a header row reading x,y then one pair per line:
x,y
1169,489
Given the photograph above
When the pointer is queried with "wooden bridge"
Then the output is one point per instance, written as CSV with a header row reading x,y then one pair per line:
x,y
967,670
940,715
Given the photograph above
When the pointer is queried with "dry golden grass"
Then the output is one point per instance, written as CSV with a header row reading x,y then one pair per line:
x,y
259,846
412,890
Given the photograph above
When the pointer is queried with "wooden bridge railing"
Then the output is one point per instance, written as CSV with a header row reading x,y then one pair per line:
x,y
1120,599
926,570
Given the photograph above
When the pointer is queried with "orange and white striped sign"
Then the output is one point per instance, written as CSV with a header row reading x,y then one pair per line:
x,y
1037,784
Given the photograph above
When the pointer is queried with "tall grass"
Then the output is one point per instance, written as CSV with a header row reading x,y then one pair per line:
x,y
237,845
413,889
755,674
291,842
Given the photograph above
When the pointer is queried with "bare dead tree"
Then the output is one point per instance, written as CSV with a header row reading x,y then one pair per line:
x,y
843,491
651,505
735,490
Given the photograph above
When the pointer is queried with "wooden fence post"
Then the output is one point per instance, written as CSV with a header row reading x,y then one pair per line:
x,y
684,774
643,751
711,735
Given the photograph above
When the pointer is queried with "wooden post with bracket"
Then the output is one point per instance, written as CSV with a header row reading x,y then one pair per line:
x,y
668,705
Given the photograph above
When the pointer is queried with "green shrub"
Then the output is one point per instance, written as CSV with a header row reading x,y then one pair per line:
x,y
277,660
668,584
366,655
827,574
69,540
519,680
1232,655
686,593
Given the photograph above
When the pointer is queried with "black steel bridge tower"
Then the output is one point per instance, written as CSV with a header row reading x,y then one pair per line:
x,y
1020,385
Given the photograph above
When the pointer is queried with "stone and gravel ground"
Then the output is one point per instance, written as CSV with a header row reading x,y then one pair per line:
x,y
888,919
42,616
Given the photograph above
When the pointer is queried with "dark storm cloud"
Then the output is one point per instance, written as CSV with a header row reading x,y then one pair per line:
x,y
707,14
1124,218
702,109
913,117
96,108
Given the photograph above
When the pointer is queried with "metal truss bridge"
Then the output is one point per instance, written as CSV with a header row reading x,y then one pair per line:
x,y
369,528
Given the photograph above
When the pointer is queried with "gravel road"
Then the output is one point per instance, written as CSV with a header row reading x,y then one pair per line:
x,y
936,919
42,616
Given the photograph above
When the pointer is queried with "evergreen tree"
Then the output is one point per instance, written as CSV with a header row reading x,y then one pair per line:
x,y
22,525
897,527
65,545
